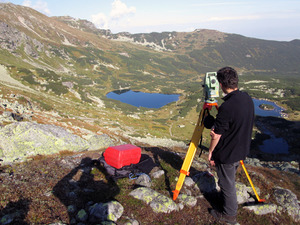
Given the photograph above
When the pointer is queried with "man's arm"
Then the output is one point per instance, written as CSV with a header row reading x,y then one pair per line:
x,y
214,141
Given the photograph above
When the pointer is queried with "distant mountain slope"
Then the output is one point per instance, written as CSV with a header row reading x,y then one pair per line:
x,y
42,37
213,48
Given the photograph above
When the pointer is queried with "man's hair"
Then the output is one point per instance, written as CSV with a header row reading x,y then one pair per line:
x,y
228,77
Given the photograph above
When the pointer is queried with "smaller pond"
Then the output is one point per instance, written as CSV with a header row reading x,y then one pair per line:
x,y
141,99
276,112
272,145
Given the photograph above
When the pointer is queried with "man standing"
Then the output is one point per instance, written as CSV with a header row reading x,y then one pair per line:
x,y
230,140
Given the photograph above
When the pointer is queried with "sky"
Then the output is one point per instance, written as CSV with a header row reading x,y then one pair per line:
x,y
265,19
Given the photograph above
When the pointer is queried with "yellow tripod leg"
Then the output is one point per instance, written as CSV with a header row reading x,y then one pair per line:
x,y
189,155
250,181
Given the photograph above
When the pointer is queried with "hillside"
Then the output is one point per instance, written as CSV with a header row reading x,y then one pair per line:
x,y
68,67
56,71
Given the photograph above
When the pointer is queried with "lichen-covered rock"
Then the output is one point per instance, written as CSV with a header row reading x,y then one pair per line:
x,y
158,202
22,139
262,209
163,204
131,222
187,200
242,192
110,211
288,200
7,219
145,194
82,215
97,142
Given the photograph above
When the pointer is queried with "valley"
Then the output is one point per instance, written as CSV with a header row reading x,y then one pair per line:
x,y
55,74
65,67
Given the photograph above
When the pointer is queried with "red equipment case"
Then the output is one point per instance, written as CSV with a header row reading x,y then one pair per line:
x,y
122,155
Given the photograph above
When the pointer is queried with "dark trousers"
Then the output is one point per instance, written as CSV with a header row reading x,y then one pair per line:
x,y
226,174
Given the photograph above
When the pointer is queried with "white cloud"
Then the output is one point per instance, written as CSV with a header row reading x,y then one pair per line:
x,y
120,9
100,20
38,5
118,17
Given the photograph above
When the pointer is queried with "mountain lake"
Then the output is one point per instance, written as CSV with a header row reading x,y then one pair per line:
x,y
142,99
272,145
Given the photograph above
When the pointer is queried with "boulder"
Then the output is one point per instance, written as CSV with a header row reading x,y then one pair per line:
x,y
158,202
206,182
22,139
110,211
242,193
187,200
262,209
288,201
163,204
143,180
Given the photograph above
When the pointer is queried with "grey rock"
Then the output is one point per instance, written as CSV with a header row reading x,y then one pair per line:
x,y
145,194
82,215
206,182
242,192
163,204
158,174
189,182
131,222
187,200
23,139
262,209
110,211
158,202
7,219
143,180
97,142
288,200
72,208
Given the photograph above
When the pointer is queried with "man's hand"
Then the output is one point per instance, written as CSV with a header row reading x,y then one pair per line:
x,y
212,134
212,163
214,141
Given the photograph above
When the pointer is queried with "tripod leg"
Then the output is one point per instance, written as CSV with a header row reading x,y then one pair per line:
x,y
190,154
250,181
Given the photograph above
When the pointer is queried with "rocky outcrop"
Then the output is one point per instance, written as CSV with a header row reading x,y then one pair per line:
x,y
20,140
288,201
11,39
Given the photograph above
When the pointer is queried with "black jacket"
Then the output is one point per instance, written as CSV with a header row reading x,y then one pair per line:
x,y
234,122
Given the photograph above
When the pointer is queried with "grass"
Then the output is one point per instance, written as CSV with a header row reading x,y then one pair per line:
x,y
37,190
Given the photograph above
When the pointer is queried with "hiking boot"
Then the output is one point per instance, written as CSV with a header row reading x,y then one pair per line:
x,y
221,217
